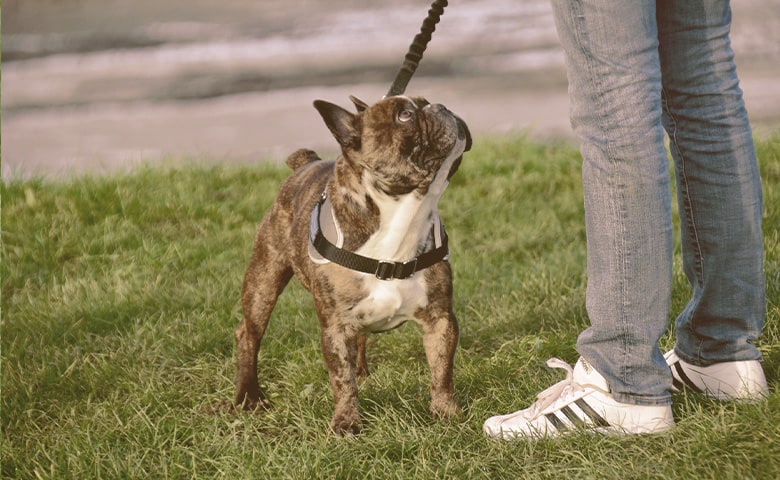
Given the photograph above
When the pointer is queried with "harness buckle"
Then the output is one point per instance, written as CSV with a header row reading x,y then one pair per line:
x,y
385,270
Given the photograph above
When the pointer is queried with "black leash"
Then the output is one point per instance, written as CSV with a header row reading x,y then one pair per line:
x,y
416,49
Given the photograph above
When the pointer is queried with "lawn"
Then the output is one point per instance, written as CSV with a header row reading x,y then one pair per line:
x,y
120,295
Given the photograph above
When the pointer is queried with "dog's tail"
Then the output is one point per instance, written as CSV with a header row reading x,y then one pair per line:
x,y
301,157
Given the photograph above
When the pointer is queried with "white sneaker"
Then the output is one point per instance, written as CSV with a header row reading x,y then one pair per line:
x,y
724,381
582,401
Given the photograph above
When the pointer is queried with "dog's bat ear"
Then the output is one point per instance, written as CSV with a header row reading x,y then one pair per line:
x,y
341,123
360,105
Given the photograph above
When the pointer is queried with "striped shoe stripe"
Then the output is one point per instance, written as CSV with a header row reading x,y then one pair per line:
x,y
556,422
573,418
597,419
683,379
678,385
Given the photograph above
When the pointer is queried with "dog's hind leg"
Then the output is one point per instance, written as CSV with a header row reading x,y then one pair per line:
x,y
267,275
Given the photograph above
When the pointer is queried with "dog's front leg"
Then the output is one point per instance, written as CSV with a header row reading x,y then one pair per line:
x,y
340,351
440,339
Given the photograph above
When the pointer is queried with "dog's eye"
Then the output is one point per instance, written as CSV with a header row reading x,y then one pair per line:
x,y
405,116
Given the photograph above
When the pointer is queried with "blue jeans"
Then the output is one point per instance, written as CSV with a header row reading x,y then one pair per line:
x,y
636,69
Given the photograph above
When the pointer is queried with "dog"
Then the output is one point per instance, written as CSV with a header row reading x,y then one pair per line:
x,y
363,235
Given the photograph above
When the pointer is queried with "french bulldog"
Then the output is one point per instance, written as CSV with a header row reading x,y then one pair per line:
x,y
363,235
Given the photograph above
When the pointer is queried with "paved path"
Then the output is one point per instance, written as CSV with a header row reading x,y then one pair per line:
x,y
236,83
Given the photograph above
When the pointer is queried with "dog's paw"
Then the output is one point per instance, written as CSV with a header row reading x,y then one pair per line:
x,y
444,409
227,406
343,425
219,407
252,405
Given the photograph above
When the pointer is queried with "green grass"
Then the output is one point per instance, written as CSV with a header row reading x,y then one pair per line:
x,y
120,295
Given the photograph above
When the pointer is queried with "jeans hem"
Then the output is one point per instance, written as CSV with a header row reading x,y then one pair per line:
x,y
642,400
696,361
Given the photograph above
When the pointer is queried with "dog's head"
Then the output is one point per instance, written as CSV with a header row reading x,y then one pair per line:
x,y
404,143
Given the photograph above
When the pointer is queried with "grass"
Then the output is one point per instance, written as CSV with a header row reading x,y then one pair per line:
x,y
120,295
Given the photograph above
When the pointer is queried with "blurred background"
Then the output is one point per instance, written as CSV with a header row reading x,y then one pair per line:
x,y
103,85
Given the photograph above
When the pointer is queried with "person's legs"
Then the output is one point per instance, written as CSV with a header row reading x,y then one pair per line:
x,y
614,71
719,190
621,382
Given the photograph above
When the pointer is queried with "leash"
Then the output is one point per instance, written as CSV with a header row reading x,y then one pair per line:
x,y
416,49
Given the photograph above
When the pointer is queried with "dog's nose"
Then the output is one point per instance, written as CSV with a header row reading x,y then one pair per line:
x,y
463,129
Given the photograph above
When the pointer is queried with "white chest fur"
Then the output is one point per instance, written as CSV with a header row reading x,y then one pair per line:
x,y
405,221
405,224
390,303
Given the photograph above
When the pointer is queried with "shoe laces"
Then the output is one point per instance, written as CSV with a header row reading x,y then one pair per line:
x,y
561,389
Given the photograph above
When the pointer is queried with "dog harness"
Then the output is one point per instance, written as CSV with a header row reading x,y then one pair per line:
x,y
326,242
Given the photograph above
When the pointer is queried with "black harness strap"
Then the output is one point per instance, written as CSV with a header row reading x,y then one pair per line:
x,y
382,269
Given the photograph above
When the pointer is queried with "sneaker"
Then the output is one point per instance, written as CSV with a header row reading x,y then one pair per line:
x,y
581,402
724,381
